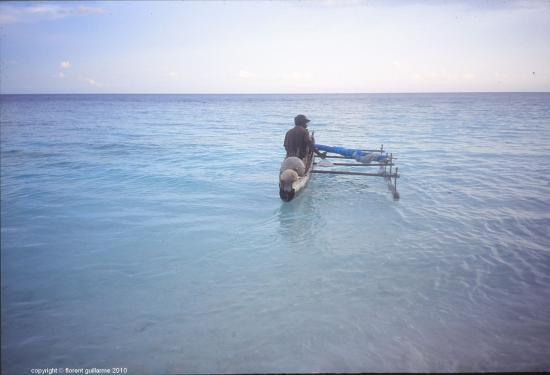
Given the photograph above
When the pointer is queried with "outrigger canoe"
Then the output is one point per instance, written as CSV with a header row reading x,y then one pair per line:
x,y
363,158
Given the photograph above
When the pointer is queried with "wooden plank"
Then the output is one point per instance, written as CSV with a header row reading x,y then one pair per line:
x,y
393,189
343,157
379,150
360,164
392,186
356,173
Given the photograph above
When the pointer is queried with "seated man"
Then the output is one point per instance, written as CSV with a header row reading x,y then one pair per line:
x,y
298,141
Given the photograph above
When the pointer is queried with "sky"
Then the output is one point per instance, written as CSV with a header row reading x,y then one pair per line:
x,y
307,46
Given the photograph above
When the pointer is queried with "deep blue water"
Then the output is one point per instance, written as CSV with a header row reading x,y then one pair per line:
x,y
146,231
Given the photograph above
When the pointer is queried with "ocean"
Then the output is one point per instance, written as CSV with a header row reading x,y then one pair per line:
x,y
146,232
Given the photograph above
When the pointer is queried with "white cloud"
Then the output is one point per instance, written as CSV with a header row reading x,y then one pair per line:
x,y
245,74
32,13
89,10
62,11
173,74
63,66
40,9
93,82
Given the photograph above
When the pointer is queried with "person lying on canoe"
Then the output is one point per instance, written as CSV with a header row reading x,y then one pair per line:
x,y
298,141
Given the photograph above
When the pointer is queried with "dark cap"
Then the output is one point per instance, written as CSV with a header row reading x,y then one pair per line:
x,y
301,120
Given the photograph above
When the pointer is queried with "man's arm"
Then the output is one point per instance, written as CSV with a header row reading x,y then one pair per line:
x,y
311,143
309,140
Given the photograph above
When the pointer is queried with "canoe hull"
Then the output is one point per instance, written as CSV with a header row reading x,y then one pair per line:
x,y
298,185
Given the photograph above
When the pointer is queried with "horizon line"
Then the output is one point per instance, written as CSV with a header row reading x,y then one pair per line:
x,y
279,93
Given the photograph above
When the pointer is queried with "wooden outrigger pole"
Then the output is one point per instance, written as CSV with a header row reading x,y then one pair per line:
x,y
390,177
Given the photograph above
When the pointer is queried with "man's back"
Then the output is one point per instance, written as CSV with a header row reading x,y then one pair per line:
x,y
297,141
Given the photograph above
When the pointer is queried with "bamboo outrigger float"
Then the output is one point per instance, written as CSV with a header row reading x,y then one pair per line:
x,y
385,164
388,173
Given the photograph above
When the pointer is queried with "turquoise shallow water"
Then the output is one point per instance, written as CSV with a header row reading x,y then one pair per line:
x,y
146,231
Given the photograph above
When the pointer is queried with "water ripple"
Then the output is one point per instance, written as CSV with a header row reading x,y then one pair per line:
x,y
151,226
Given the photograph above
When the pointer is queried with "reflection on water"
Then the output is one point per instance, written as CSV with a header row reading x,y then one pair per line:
x,y
298,221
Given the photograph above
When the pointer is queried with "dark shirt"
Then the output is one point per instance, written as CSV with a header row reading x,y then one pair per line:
x,y
297,142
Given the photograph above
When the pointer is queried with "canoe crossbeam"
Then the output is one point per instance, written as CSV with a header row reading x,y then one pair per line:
x,y
394,175
359,164
341,157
